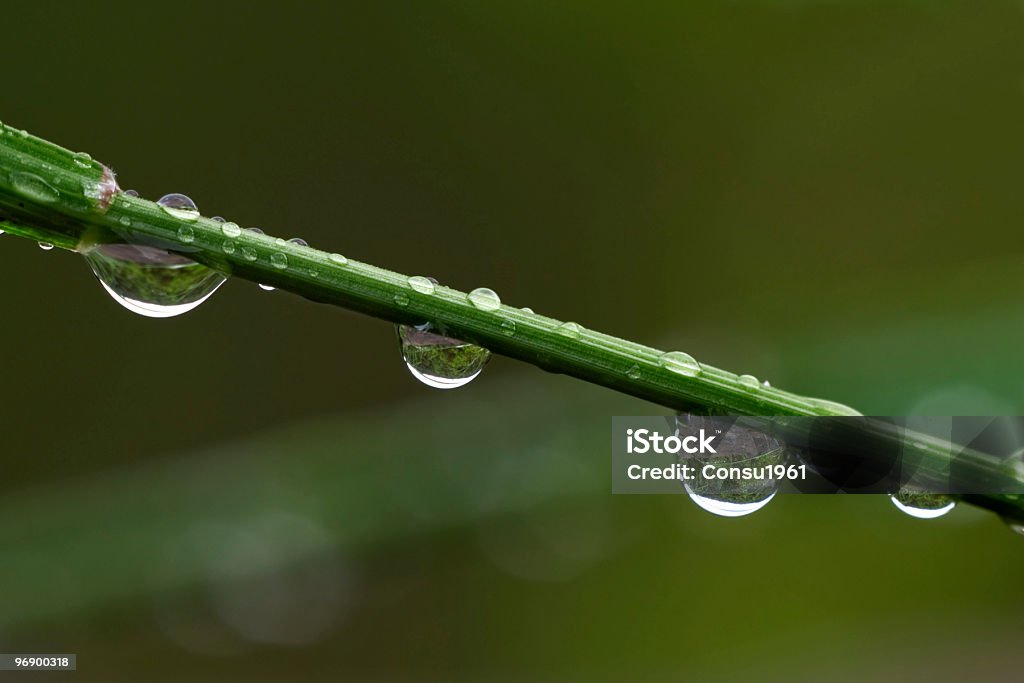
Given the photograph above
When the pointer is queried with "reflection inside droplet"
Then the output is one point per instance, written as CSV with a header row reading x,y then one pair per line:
x,y
151,281
438,361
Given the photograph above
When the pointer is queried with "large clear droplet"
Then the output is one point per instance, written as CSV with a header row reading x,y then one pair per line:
x,y
180,206
438,361
151,281
923,505
738,446
485,299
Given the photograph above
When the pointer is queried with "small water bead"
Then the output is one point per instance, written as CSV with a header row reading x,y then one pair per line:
x,y
338,259
421,284
180,206
680,363
508,328
217,219
401,299
33,187
485,299
438,361
750,382
266,288
766,384
923,505
186,235
633,372
527,309
45,246
150,281
1016,526
298,241
571,330
125,221
249,254
131,193
82,159
228,247
230,229
255,230
279,260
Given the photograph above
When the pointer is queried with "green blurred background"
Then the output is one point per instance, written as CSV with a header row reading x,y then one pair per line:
x,y
824,194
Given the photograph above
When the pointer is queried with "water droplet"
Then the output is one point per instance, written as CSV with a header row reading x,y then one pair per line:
x,y
766,383
180,206
217,219
45,246
729,496
131,193
266,288
750,382
338,259
150,281
256,231
438,361
571,330
508,328
279,260
33,187
485,299
125,221
526,309
923,505
249,254
680,363
1,232
421,284
83,160
186,235
633,372
299,241
1016,526
228,247
230,229
402,299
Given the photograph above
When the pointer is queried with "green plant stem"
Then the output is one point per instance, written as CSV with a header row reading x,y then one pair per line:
x,y
50,194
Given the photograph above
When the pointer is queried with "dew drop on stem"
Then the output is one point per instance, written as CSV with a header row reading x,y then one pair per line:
x,y
737,446
922,505
438,361
485,299
180,206
680,363
151,281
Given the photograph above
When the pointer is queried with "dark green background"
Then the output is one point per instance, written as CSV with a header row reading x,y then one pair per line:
x,y
824,194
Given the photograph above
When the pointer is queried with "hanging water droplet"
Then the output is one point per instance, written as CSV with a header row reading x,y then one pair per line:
x,y
633,372
279,260
485,299
266,288
299,241
82,159
680,363
728,496
1016,526
150,281
186,235
508,328
230,229
45,246
338,259
180,206
571,330
401,298
438,361
421,284
1,232
131,193
750,382
921,504
33,187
